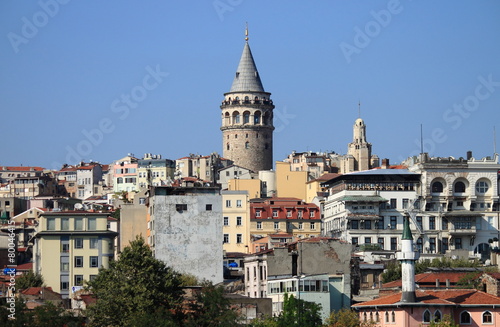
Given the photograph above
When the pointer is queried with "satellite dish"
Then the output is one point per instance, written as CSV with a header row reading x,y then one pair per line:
x,y
78,206
454,257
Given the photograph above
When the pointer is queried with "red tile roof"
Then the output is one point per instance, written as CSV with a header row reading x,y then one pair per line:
x,y
25,266
448,296
22,168
429,278
35,290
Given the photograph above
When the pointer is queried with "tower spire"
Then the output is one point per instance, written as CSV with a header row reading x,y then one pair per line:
x,y
359,109
246,32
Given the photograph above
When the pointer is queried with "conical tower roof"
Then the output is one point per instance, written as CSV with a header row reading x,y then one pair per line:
x,y
247,77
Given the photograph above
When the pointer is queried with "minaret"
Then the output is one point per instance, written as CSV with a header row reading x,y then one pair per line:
x,y
247,118
407,256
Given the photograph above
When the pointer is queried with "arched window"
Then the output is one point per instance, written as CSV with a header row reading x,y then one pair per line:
x,y
364,316
437,187
246,117
247,145
236,117
387,316
437,316
427,316
459,187
465,317
487,317
256,118
377,317
227,146
482,187
393,316
371,316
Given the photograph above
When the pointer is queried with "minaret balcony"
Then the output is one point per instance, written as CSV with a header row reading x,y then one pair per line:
x,y
407,255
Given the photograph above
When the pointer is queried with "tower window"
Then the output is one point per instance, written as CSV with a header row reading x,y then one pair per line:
x,y
266,146
235,136
247,145
227,146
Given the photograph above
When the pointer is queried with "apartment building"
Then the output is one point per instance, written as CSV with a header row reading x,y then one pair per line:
x,y
70,247
284,215
155,171
236,221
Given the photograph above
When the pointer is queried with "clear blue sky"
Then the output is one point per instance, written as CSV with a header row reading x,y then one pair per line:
x,y
66,71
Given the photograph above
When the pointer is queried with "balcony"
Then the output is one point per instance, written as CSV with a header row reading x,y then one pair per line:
x,y
462,231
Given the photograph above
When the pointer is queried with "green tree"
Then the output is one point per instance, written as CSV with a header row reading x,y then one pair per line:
x,y
48,315
211,308
392,272
135,284
469,280
447,321
29,279
346,318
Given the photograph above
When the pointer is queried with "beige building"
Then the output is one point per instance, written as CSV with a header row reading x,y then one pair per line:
x,y
236,221
133,218
290,183
155,171
70,247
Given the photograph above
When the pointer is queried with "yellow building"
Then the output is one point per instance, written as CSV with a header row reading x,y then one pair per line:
x,y
70,247
236,221
252,186
290,184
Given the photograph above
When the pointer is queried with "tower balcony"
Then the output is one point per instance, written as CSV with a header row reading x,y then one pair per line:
x,y
255,104
462,231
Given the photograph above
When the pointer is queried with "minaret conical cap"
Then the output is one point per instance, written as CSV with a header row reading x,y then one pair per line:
x,y
406,229
247,77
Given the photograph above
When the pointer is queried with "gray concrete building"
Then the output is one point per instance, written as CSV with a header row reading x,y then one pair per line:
x,y
185,229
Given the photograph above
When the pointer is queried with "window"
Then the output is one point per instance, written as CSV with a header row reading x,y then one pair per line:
x,y
94,262
257,213
64,286
354,241
311,214
259,225
394,243
65,264
208,207
368,224
437,316
228,203
238,221
432,245
387,316
65,247
393,317
78,280
51,224
380,223
419,222
238,203
380,241
312,226
247,145
437,187
487,318
459,187
78,243
354,224
465,318
394,221
300,214
432,223
420,246
64,223
458,243
226,221
393,204
444,224
93,243
181,207
276,225
226,238
426,316
445,245
92,277
91,224
78,261
239,238
368,240
275,213
405,203
301,225
481,187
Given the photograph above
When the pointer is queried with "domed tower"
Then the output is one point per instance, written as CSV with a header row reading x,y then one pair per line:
x,y
247,118
359,148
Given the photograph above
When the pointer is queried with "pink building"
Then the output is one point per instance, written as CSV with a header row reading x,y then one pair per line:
x,y
468,307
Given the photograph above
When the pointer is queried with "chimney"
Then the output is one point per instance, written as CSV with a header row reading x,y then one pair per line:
x,y
385,163
469,155
447,283
437,283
